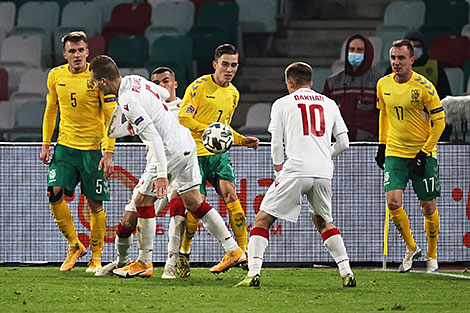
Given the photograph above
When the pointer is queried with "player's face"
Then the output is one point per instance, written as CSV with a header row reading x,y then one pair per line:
x,y
225,69
167,81
357,46
76,53
101,84
401,61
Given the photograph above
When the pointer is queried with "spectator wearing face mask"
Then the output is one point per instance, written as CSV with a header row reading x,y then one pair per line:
x,y
431,69
353,89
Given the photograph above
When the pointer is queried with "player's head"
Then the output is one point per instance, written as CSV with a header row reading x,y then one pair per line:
x,y
165,77
402,57
225,64
75,50
105,74
298,75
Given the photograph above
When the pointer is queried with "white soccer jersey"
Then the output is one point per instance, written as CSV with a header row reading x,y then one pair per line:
x,y
305,121
149,114
174,106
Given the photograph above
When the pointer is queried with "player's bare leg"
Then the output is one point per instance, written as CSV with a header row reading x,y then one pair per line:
x,y
334,243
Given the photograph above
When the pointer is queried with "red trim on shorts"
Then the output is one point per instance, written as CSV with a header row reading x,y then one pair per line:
x,y
146,211
259,231
123,231
330,232
177,207
202,210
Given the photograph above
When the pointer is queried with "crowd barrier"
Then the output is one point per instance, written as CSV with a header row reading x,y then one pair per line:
x,y
28,233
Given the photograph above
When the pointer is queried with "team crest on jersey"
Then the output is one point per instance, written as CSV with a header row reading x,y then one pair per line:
x,y
414,95
90,84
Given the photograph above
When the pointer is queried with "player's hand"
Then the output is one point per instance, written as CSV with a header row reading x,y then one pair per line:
x,y
160,186
130,129
45,154
250,142
380,157
418,164
107,162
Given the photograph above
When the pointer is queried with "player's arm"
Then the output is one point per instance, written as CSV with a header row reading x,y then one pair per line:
x,y
239,139
383,128
437,114
50,116
148,133
277,138
341,144
188,110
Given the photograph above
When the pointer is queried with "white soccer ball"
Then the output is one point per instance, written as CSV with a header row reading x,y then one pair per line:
x,y
217,138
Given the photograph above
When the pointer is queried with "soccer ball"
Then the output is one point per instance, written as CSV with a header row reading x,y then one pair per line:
x,y
217,138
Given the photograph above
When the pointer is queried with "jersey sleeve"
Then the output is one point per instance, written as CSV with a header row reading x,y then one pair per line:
x,y
339,126
276,129
436,111
189,107
380,100
108,103
50,113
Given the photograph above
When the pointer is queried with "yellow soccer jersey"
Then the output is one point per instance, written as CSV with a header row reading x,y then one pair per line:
x,y
409,108
84,111
205,102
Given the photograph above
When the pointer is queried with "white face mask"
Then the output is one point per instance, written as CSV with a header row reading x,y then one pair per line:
x,y
418,52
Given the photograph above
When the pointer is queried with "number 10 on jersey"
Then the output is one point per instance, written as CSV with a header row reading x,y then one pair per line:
x,y
313,121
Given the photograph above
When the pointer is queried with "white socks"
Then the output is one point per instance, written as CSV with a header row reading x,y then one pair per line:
x,y
123,246
145,236
256,247
336,248
176,231
216,226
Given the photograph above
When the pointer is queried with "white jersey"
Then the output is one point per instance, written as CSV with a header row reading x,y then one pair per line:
x,y
149,115
305,121
174,106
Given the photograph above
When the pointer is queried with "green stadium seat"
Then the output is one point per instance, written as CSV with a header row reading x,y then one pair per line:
x,y
129,51
220,14
456,79
205,40
453,13
168,50
432,31
28,121
405,13
258,16
39,18
388,34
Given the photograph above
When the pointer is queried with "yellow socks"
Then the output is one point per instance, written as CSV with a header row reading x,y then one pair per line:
x,y
192,224
64,221
238,223
97,230
431,225
402,224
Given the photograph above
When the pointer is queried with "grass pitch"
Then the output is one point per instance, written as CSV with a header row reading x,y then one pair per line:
x,y
46,289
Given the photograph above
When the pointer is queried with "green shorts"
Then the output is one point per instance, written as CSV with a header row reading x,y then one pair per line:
x,y
397,173
70,166
214,166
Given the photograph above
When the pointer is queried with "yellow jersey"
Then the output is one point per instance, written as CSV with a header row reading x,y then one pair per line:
x,y
84,111
409,107
205,102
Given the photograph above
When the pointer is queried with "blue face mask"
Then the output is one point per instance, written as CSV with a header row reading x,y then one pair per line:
x,y
355,59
